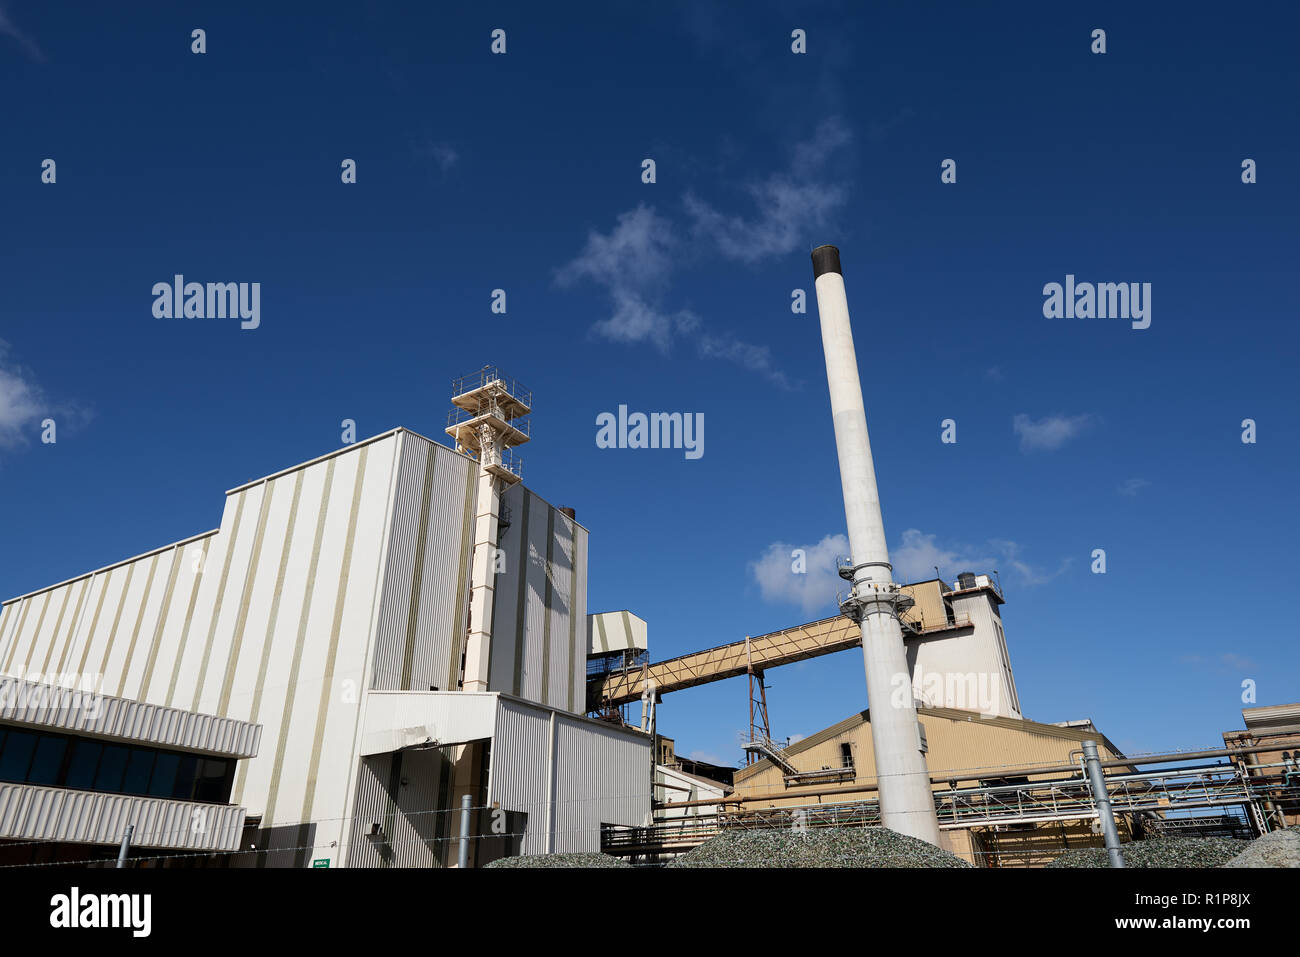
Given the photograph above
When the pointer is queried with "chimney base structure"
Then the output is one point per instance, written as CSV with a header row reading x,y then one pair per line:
x,y
874,602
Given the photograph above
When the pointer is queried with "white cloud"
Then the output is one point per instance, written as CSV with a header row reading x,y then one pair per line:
x,y
812,589
633,262
1133,486
1049,433
789,206
632,255
9,29
915,559
22,403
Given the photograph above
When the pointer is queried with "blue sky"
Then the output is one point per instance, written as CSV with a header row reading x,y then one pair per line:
x,y
523,172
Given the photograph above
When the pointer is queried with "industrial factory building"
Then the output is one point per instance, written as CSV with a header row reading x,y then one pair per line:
x,y
326,617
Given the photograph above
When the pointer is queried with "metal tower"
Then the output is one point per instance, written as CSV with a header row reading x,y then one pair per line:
x,y
489,421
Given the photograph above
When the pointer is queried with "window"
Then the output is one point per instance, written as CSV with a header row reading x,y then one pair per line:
x,y
138,768
111,768
84,764
183,789
85,760
48,760
163,781
213,786
17,756
846,755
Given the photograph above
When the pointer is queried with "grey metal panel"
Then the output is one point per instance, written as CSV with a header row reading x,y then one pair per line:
x,y
560,643
578,621
505,596
399,792
520,780
601,776
41,705
85,817
533,558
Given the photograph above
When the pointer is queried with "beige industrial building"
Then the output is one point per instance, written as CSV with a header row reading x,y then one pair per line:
x,y
832,773
1275,771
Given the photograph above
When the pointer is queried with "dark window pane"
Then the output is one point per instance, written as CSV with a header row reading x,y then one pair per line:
x,y
138,769
17,755
48,761
85,758
164,774
213,786
111,767
189,769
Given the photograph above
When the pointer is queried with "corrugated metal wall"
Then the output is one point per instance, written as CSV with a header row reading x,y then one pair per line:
x,y
596,774
56,814
540,605
422,622
402,793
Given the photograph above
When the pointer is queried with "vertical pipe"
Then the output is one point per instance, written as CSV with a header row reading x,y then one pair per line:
x,y
1102,799
126,845
906,800
462,860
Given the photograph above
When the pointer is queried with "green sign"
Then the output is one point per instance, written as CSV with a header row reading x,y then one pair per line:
x,y
321,862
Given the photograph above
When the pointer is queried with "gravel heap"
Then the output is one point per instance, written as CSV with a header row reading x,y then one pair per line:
x,y
560,860
817,847
1278,849
1159,852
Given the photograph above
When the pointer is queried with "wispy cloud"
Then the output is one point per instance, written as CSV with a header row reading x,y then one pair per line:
x,y
1227,663
9,29
22,402
1132,486
635,260
1050,433
442,155
806,575
789,206
919,553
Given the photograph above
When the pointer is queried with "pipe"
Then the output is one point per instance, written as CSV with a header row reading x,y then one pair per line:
x,y
982,774
1101,797
462,859
126,845
906,802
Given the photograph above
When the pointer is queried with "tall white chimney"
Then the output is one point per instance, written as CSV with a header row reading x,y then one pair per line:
x,y
906,801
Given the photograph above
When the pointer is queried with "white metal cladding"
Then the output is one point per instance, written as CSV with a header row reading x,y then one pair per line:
x,y
266,621
88,713
448,717
85,817
594,774
45,634
421,627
